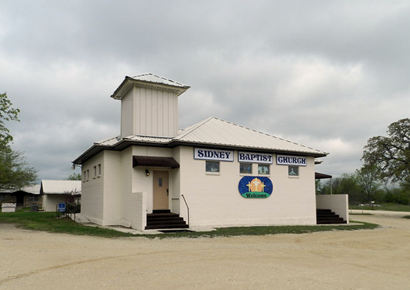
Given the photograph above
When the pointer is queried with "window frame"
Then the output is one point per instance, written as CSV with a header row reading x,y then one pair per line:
x,y
212,162
263,165
245,163
297,170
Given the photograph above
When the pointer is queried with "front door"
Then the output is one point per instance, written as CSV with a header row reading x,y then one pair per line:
x,y
160,189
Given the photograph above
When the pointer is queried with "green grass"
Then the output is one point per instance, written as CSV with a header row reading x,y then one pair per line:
x,y
384,206
406,217
265,230
44,221
47,221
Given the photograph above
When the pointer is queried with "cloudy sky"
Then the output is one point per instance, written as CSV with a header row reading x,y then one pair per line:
x,y
328,74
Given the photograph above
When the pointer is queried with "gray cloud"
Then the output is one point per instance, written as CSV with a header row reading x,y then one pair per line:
x,y
328,74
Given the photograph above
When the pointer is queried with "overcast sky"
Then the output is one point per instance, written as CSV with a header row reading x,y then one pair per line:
x,y
327,74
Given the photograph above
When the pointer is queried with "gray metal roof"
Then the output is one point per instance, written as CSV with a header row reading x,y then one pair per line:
x,y
147,80
72,187
215,131
149,77
211,132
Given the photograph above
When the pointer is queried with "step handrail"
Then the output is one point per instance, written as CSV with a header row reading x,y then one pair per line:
x,y
187,207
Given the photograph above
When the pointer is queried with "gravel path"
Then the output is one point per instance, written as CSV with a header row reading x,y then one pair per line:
x,y
365,259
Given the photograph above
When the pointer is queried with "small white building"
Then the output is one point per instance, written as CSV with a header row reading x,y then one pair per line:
x,y
213,173
54,192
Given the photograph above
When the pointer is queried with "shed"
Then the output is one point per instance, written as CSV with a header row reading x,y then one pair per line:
x,y
56,191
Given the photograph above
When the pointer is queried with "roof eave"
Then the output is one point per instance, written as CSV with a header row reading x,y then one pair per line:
x,y
128,82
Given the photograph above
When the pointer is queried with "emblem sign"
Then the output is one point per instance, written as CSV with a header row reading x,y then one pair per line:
x,y
255,187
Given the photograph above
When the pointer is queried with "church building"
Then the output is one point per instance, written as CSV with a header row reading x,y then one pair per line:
x,y
214,173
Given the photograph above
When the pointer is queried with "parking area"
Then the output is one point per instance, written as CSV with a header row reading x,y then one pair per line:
x,y
364,259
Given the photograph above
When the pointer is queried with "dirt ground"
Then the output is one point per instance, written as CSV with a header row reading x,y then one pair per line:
x,y
365,259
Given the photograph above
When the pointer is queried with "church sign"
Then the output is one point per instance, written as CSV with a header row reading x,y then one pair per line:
x,y
290,160
213,154
255,187
255,157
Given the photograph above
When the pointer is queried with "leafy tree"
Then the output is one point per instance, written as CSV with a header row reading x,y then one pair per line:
x,y
368,180
346,184
74,176
390,156
14,171
7,113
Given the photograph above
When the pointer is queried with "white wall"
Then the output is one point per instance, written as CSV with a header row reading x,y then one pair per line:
x,y
50,201
214,200
149,112
338,203
92,190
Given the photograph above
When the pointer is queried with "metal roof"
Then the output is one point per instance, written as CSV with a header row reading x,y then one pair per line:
x,y
72,187
215,131
149,77
147,80
211,132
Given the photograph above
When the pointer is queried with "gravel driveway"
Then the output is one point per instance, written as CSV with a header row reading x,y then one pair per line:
x,y
365,259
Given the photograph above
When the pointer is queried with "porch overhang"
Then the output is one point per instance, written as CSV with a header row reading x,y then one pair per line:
x,y
322,175
154,161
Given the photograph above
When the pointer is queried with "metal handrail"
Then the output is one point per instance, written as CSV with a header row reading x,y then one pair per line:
x,y
187,207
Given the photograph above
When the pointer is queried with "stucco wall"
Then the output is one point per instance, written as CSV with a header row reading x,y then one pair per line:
x,y
92,197
338,203
50,201
214,200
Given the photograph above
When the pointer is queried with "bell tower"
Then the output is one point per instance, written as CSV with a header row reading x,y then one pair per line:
x,y
149,105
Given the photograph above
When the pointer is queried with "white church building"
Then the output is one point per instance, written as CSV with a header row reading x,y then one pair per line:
x,y
214,173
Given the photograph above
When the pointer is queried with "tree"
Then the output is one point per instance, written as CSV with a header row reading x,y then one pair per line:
x,y
74,176
7,113
390,156
14,171
368,180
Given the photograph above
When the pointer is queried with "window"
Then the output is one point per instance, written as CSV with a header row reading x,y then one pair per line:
x,y
245,168
99,169
212,166
263,169
88,174
84,176
95,171
293,170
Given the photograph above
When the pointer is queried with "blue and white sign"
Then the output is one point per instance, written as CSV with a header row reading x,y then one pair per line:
x,y
213,154
291,160
255,157
61,207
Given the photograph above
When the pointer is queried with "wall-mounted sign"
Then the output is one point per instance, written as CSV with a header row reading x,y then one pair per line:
x,y
213,154
255,187
255,157
290,160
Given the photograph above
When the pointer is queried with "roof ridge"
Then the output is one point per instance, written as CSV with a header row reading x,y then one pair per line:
x,y
270,135
194,127
163,78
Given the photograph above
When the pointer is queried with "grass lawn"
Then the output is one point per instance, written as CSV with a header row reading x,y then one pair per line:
x,y
384,206
44,221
